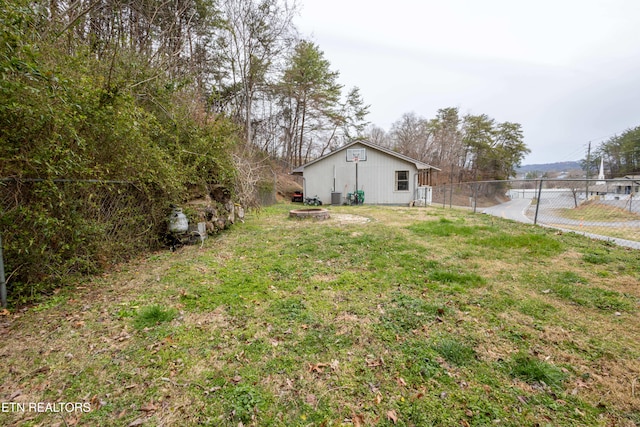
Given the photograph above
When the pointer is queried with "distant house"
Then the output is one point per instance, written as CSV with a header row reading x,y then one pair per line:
x,y
616,189
629,185
384,176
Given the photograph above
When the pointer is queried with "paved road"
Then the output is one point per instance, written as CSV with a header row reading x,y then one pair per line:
x,y
516,208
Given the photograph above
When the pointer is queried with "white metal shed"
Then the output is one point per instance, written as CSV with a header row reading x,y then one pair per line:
x,y
386,177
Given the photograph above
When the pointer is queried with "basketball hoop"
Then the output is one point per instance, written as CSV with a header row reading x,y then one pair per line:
x,y
356,155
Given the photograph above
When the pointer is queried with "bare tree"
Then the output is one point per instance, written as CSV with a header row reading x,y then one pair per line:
x,y
378,136
255,33
411,136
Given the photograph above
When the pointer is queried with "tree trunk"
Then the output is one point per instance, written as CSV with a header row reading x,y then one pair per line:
x,y
304,114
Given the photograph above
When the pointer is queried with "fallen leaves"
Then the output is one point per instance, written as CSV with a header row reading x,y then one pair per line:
x,y
311,399
122,336
40,370
401,382
149,408
96,402
358,420
318,367
67,421
374,362
137,422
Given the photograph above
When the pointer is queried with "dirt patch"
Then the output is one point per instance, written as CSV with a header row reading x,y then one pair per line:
x,y
335,219
342,218
216,318
325,278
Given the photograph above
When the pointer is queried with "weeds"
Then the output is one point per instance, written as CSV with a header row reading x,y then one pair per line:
x,y
534,371
245,403
454,352
152,316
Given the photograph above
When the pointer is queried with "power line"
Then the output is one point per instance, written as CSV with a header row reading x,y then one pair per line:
x,y
571,156
613,134
603,137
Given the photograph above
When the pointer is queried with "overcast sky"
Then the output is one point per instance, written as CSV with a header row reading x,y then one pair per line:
x,y
567,70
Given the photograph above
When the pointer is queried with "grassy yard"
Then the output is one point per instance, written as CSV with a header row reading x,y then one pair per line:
x,y
594,218
379,316
599,213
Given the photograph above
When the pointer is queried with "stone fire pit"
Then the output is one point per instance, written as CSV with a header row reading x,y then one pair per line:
x,y
315,213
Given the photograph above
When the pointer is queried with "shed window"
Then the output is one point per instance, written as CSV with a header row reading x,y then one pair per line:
x,y
402,180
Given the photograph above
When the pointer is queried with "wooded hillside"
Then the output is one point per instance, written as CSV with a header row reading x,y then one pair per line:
x,y
104,125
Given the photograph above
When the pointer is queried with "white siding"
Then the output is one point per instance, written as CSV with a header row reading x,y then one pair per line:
x,y
376,177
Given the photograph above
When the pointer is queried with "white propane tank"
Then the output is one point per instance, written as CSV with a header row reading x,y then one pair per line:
x,y
178,222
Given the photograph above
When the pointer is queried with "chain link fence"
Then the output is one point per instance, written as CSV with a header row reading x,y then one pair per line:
x,y
608,209
53,229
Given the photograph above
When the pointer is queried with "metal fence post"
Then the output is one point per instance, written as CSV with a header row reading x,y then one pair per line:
x,y
444,196
475,196
535,219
